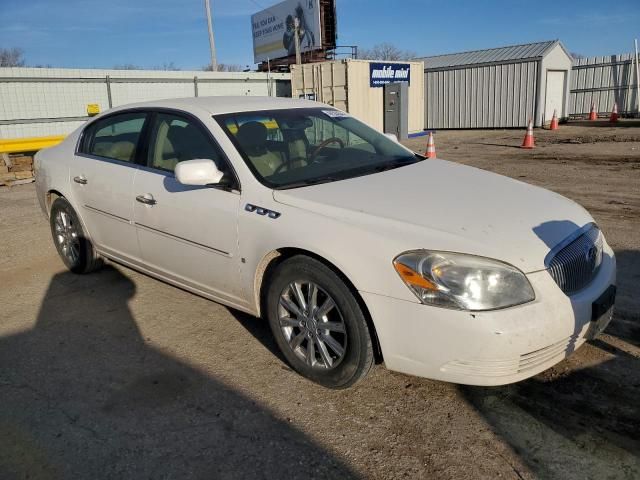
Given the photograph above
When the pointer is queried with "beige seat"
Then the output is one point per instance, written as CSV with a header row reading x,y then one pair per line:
x,y
164,153
298,153
122,150
253,138
102,149
178,143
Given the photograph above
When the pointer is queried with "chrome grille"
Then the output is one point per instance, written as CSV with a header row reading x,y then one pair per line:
x,y
577,263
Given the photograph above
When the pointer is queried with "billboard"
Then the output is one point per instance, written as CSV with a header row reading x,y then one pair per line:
x,y
273,29
381,73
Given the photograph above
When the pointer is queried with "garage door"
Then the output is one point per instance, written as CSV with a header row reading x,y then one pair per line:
x,y
555,94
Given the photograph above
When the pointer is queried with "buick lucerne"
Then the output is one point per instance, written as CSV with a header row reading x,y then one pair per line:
x,y
354,249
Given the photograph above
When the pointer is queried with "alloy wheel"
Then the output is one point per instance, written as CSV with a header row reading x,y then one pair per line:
x,y
67,236
312,324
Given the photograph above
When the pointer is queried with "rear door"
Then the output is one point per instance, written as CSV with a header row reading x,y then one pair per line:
x,y
102,173
187,233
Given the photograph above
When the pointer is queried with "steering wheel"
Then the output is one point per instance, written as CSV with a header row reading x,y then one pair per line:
x,y
323,145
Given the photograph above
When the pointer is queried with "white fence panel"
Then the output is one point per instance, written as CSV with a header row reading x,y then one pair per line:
x,y
604,81
53,101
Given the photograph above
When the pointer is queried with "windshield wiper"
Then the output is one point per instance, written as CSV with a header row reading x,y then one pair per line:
x,y
306,183
400,162
358,172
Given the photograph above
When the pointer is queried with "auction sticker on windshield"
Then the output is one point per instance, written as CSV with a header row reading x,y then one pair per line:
x,y
335,114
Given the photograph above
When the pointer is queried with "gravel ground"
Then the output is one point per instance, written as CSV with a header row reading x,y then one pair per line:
x,y
117,375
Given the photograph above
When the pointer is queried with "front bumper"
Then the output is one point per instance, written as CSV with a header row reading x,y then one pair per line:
x,y
488,348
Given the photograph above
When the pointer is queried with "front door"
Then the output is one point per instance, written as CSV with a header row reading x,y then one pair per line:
x,y
555,94
187,234
392,109
102,175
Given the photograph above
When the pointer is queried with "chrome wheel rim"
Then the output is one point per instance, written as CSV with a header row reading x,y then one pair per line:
x,y
313,325
66,235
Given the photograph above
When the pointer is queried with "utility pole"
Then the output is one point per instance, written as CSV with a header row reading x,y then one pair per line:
x,y
637,76
296,36
212,45
269,84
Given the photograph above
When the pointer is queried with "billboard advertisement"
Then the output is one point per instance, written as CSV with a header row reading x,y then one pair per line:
x,y
273,29
381,73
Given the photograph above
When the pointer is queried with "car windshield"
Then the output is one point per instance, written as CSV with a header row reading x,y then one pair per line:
x,y
305,146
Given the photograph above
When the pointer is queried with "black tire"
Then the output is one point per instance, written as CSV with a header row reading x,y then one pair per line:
x,y
357,358
83,258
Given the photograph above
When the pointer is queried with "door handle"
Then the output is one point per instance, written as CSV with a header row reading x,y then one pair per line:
x,y
80,179
147,199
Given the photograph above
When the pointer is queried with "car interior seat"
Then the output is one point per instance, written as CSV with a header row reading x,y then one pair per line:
x,y
123,150
253,138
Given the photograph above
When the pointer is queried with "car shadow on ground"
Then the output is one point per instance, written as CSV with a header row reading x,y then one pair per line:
x,y
581,419
260,330
83,395
627,318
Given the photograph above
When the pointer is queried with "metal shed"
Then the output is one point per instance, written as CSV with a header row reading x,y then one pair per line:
x,y
497,88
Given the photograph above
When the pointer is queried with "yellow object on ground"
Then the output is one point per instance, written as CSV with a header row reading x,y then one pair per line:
x,y
31,144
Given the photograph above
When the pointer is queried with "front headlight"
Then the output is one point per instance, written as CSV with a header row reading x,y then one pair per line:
x,y
465,282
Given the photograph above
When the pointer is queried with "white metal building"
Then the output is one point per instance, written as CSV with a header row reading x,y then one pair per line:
x,y
497,88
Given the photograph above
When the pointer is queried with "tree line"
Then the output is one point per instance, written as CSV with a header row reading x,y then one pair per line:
x,y
14,57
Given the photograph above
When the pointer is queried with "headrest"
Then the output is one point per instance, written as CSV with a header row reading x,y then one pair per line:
x,y
252,135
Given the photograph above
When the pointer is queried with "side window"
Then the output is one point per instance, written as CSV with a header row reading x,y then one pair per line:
x,y
116,137
176,139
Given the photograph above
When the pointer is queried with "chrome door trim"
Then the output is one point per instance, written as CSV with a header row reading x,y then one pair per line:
x,y
185,240
102,212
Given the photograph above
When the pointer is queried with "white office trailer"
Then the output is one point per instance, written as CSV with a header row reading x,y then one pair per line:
x,y
358,87
54,101
497,88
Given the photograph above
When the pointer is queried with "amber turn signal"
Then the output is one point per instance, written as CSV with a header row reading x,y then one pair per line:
x,y
411,277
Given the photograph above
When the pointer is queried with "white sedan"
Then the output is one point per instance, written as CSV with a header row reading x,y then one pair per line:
x,y
354,248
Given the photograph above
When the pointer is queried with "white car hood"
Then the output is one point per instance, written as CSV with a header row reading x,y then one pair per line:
x,y
440,205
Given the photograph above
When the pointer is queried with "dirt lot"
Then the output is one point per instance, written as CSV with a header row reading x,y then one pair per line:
x,y
116,375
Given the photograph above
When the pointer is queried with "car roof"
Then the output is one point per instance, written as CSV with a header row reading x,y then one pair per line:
x,y
218,105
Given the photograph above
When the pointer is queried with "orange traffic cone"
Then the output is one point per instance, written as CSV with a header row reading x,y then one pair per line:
x,y
614,113
528,138
554,121
431,147
592,114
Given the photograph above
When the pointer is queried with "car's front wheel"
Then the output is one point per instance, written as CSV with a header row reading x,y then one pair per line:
x,y
318,323
72,244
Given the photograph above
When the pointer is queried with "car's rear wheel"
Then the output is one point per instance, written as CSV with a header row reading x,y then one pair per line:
x,y
318,323
72,244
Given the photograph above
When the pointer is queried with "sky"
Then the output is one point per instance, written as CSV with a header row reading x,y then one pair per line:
x,y
151,33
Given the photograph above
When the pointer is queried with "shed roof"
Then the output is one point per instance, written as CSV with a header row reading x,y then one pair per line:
x,y
492,55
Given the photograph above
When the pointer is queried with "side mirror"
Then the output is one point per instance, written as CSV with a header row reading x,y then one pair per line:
x,y
391,136
198,172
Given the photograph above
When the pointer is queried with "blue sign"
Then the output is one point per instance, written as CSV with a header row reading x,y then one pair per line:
x,y
382,73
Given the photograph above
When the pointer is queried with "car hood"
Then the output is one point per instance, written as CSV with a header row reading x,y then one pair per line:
x,y
440,205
